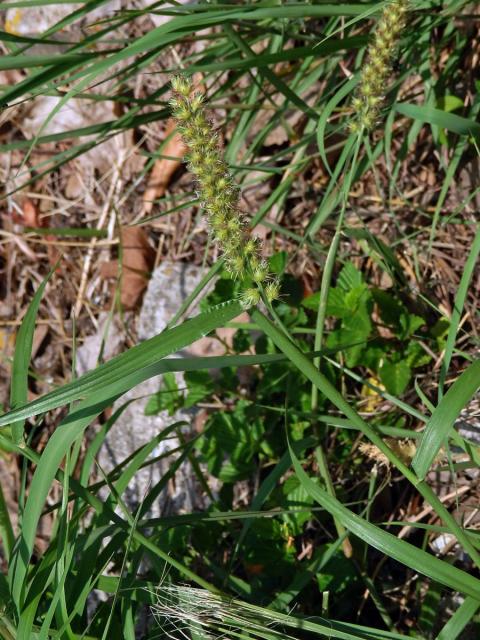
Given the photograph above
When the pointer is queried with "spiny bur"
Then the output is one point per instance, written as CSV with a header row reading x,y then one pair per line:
x,y
220,194
377,70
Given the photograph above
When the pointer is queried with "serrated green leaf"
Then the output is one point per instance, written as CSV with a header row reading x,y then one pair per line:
x,y
410,323
278,262
349,277
416,356
167,398
449,103
344,336
335,303
389,307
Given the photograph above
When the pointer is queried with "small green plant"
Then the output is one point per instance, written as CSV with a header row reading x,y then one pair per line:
x,y
376,330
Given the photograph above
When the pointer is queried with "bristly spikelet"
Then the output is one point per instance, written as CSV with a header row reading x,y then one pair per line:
x,y
376,71
219,193
403,449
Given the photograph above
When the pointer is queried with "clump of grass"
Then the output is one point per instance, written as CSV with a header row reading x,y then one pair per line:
x,y
180,609
220,194
378,68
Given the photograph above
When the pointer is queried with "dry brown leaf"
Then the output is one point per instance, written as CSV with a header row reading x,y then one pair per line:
x,y
31,214
137,262
31,218
164,168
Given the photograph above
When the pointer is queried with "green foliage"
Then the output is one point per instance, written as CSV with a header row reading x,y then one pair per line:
x,y
199,385
288,491
376,330
236,434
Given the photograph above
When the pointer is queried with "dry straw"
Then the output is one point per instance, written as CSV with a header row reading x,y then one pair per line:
x,y
377,70
220,194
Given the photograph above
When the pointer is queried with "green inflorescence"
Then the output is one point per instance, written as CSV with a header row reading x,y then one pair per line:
x,y
220,194
378,68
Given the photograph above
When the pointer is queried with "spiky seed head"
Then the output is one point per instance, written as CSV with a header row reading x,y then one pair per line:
x,y
357,104
216,188
233,226
354,126
260,272
223,183
236,266
272,290
197,119
374,75
367,120
220,234
196,103
366,90
250,297
251,246
181,86
373,101
182,113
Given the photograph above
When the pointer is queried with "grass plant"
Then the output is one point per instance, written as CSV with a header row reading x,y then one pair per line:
x,y
327,544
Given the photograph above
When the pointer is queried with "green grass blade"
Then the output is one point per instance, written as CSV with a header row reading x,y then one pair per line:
x,y
402,551
104,391
132,362
305,366
459,620
325,115
444,416
21,359
26,62
48,465
450,121
460,297
7,536
326,387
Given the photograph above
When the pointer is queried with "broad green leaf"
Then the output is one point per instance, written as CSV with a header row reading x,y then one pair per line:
x,y
349,277
168,398
199,385
311,301
449,103
395,376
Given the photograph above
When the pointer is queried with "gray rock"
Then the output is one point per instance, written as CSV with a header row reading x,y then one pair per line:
x,y
170,284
